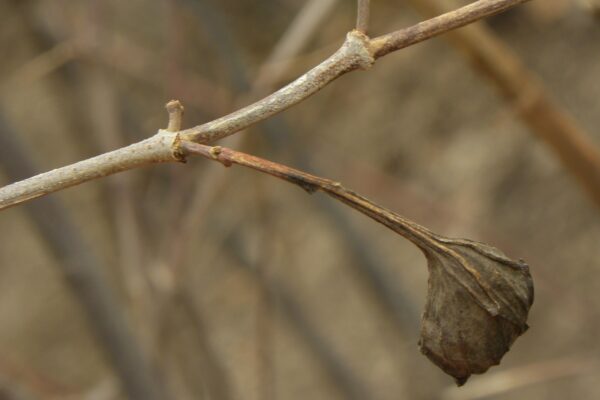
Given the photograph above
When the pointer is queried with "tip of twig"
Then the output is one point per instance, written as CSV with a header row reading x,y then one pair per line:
x,y
175,110
174,106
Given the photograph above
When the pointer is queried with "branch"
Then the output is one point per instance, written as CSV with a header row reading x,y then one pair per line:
x,y
156,149
353,54
357,52
310,183
417,234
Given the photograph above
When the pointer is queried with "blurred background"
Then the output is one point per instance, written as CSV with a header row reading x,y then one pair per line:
x,y
199,282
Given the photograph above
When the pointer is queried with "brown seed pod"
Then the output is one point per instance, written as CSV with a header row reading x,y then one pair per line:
x,y
477,305
478,299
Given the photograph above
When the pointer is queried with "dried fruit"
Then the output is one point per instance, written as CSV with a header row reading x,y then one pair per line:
x,y
478,299
477,305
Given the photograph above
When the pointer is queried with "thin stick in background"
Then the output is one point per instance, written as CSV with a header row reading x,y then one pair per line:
x,y
13,391
211,373
105,117
54,56
593,6
83,274
133,61
516,378
292,42
23,376
344,381
544,117
40,66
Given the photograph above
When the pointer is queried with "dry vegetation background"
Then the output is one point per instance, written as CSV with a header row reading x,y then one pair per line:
x,y
239,286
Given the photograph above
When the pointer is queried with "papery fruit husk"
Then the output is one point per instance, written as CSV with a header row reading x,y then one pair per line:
x,y
477,304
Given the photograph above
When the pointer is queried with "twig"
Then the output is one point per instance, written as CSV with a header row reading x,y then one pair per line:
x,y
156,149
353,54
175,110
420,236
357,52
362,16
402,38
